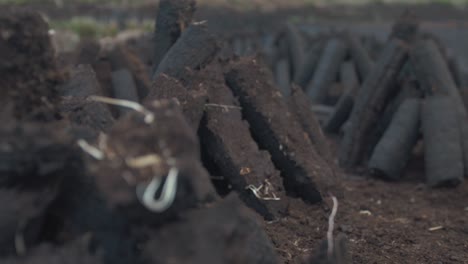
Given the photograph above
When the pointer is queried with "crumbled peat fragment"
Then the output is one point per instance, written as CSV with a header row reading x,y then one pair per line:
x,y
195,49
137,155
277,130
192,99
370,102
228,232
76,104
33,161
28,65
229,146
173,17
123,57
73,253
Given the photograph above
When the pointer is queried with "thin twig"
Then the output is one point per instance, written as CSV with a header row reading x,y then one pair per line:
x,y
149,116
436,228
224,107
331,226
143,161
258,194
92,151
200,22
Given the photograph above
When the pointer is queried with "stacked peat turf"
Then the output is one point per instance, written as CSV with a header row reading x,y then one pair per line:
x,y
235,150
410,90
386,104
381,105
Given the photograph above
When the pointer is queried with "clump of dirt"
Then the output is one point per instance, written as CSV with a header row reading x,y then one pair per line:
x,y
27,60
34,160
226,232
137,151
192,101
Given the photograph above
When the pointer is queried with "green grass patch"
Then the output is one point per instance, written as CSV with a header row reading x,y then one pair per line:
x,y
86,27
89,27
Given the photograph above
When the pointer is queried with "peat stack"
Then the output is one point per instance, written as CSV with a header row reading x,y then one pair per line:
x,y
277,130
385,103
409,93
231,153
174,16
28,57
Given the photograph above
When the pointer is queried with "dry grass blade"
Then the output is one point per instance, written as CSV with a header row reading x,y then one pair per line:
x,y
92,151
149,116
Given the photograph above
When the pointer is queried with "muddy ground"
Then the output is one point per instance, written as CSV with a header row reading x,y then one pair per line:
x,y
384,222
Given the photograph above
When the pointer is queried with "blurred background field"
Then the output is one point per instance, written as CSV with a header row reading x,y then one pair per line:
x,y
77,19
98,18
